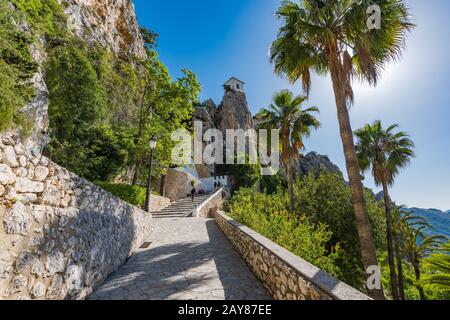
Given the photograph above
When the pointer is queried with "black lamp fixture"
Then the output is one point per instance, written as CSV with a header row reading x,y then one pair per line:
x,y
152,146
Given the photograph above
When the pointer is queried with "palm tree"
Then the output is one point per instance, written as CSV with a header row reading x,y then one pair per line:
x,y
385,152
294,123
401,219
418,245
439,264
333,36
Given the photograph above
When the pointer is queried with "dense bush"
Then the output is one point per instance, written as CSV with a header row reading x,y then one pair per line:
x,y
82,139
16,69
268,215
322,231
134,195
45,16
327,199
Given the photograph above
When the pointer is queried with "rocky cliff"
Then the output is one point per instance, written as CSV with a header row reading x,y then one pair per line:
x,y
111,23
316,163
232,113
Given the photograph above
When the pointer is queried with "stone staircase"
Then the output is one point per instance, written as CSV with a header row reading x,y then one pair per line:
x,y
181,208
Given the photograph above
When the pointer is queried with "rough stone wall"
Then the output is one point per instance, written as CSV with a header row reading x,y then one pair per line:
x,y
60,236
178,184
158,203
214,204
285,276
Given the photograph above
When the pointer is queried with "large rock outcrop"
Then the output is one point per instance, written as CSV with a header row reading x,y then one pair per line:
x,y
234,112
316,163
111,23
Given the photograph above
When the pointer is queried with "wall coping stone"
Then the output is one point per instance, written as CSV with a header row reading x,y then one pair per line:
x,y
335,288
202,205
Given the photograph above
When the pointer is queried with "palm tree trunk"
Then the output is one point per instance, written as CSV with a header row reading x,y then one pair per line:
x,y
368,251
390,243
416,267
401,286
290,186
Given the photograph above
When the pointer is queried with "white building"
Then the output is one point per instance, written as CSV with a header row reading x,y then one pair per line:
x,y
235,84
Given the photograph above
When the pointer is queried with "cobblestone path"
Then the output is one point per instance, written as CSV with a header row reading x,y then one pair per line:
x,y
188,259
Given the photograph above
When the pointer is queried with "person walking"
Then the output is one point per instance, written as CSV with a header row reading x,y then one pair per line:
x,y
193,193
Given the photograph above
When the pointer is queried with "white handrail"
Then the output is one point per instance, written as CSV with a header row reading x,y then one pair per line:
x,y
198,208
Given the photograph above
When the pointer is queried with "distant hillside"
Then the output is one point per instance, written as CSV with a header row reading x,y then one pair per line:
x,y
438,219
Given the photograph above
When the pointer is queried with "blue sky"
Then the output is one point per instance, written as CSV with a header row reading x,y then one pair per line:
x,y
218,39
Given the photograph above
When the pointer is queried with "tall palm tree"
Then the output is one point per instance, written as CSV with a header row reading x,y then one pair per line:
x,y
417,245
439,264
398,223
329,36
294,123
385,152
402,219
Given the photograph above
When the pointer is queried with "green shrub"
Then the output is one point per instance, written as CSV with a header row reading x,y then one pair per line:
x,y
327,199
16,68
269,216
134,195
45,16
321,231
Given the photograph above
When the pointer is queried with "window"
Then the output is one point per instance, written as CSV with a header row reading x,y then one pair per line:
x,y
238,86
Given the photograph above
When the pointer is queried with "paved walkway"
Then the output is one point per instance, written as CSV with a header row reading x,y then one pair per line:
x,y
189,259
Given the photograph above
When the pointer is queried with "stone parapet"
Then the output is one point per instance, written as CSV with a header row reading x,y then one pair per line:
x,y
285,276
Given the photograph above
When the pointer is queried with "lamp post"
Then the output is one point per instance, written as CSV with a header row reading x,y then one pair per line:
x,y
152,145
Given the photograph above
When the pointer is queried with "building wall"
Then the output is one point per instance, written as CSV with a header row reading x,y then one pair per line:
x,y
60,235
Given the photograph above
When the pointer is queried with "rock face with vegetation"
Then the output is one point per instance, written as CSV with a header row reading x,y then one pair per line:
x,y
315,163
43,25
110,23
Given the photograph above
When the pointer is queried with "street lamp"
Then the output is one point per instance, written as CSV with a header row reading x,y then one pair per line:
x,y
152,146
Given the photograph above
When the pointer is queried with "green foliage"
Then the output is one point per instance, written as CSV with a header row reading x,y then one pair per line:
x,y
432,292
270,216
103,110
16,68
77,110
166,105
243,175
327,199
384,151
274,183
45,16
438,267
134,195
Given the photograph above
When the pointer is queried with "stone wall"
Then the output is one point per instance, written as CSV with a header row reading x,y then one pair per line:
x,y
60,235
285,276
158,203
178,184
212,205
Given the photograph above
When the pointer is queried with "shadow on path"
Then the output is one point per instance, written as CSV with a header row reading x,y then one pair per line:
x,y
189,259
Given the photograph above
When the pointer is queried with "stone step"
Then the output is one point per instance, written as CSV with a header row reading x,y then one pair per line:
x,y
181,208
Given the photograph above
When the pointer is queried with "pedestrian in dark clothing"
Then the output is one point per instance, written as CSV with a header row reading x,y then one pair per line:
x,y
193,193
